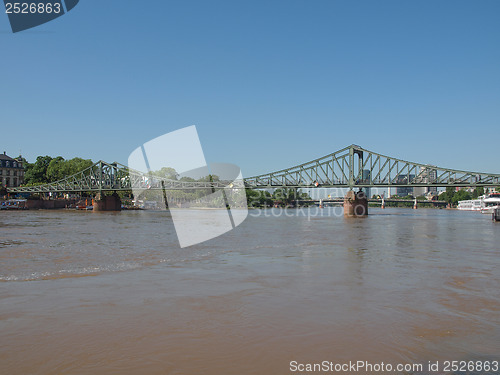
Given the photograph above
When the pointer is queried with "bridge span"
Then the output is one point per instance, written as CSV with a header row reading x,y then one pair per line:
x,y
350,167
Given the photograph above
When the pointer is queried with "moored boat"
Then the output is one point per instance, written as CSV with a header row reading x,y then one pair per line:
x,y
484,204
84,204
471,205
491,203
13,204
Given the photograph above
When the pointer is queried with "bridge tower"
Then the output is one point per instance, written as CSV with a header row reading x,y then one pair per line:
x,y
355,203
103,202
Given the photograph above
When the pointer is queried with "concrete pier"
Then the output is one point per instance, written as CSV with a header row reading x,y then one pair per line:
x,y
47,204
355,204
496,214
107,202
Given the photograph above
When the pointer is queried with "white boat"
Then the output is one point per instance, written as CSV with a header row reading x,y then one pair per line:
x,y
471,205
491,203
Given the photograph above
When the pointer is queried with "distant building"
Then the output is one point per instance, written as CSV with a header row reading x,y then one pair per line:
x,y
404,179
427,176
432,196
419,191
11,171
367,180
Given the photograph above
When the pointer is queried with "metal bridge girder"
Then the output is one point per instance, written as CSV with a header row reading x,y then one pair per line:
x,y
383,171
341,169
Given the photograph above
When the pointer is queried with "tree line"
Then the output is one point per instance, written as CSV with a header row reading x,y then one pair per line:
x,y
453,197
281,197
47,169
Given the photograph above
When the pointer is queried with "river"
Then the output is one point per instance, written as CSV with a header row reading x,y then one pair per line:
x,y
113,293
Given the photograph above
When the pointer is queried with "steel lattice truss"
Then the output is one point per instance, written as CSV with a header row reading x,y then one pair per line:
x,y
350,167
355,166
104,176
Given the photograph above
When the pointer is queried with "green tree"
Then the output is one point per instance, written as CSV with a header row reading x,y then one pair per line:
x,y
461,195
478,192
76,165
167,172
47,169
59,168
36,173
448,194
56,170
288,195
258,198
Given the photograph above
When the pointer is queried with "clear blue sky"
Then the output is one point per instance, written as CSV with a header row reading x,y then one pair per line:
x,y
269,84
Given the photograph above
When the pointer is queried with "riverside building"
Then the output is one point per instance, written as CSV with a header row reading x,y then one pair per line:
x,y
11,171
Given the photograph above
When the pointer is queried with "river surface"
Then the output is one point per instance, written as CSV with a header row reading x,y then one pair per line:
x,y
113,293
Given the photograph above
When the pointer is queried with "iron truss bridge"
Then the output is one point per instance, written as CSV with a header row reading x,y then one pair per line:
x,y
354,166
104,176
350,167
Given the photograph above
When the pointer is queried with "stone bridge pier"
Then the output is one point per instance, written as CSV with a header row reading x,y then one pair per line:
x,y
355,204
104,202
